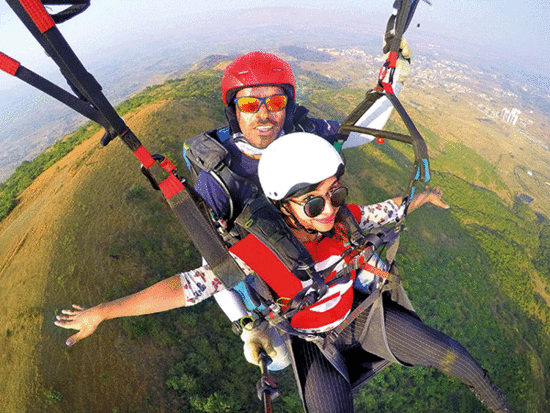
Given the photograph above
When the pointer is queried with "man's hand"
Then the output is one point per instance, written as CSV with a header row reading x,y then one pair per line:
x,y
402,67
256,340
404,48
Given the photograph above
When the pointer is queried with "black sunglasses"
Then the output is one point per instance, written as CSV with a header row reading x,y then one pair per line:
x,y
315,205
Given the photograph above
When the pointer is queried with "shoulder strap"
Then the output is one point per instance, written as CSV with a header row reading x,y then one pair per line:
x,y
261,218
300,118
206,152
302,123
356,236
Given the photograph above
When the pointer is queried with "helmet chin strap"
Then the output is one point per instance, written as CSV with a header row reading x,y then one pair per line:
x,y
232,119
300,226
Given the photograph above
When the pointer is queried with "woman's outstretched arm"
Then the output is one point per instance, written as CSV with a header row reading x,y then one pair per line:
x,y
162,296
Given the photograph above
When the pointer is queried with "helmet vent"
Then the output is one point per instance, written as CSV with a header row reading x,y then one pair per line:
x,y
257,69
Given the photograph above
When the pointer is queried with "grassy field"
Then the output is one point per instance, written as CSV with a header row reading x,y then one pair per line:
x,y
85,231
90,229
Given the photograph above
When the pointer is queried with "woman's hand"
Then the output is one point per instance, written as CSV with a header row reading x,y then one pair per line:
x,y
162,296
81,319
434,196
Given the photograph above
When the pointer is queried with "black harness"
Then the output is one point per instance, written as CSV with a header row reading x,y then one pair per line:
x,y
257,216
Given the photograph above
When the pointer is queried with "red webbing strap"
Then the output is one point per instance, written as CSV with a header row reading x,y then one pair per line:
x,y
8,65
388,69
388,88
392,59
38,14
144,157
167,165
266,264
375,270
171,186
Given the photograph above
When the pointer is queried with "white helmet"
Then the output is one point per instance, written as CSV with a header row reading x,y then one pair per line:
x,y
296,161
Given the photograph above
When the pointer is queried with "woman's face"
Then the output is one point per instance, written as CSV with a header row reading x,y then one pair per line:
x,y
322,222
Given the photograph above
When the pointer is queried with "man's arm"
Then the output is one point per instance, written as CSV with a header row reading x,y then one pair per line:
x,y
378,114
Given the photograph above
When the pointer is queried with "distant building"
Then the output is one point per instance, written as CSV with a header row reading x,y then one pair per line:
x,y
514,116
510,116
504,114
526,198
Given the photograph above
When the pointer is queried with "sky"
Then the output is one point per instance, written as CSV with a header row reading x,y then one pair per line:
x,y
516,30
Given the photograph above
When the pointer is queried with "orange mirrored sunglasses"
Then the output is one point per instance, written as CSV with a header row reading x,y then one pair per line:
x,y
251,104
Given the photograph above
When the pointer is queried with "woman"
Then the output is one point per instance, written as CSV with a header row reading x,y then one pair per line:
x,y
300,174
308,192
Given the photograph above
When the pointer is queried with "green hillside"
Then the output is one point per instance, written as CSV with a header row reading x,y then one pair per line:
x,y
90,229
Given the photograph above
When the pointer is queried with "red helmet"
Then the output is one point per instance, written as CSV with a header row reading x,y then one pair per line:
x,y
255,69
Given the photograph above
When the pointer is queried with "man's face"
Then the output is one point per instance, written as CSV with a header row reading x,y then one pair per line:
x,y
263,127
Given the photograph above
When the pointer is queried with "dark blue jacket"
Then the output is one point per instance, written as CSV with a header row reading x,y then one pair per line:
x,y
247,168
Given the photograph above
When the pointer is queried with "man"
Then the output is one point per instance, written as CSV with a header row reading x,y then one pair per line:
x,y
259,91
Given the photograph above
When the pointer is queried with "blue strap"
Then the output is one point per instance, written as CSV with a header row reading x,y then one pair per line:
x,y
223,134
426,166
187,163
426,170
243,292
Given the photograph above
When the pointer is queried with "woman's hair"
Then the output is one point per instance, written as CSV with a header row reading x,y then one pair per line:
x,y
340,230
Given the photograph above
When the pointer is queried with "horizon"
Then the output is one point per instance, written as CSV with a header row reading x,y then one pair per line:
x,y
525,42
108,60
524,45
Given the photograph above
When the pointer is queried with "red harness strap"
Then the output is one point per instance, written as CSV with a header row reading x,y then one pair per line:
x,y
38,14
375,270
266,264
8,65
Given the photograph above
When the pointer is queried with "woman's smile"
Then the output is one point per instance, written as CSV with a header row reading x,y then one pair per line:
x,y
327,220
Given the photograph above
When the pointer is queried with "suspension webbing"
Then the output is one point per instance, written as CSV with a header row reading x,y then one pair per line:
x,y
397,24
91,102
